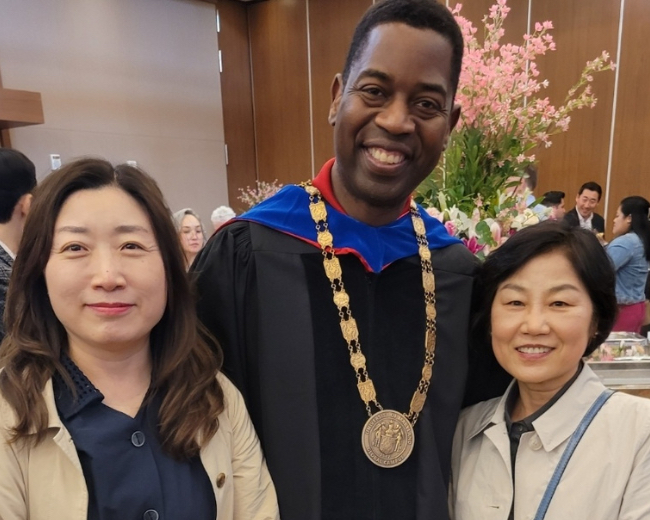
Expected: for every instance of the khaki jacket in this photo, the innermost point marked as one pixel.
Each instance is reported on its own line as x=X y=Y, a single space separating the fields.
x=608 y=477
x=46 y=482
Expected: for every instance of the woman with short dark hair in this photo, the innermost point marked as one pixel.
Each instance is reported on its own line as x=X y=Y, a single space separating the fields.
x=557 y=444
x=111 y=402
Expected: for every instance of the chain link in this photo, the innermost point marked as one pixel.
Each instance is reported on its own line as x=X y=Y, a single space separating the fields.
x=348 y=323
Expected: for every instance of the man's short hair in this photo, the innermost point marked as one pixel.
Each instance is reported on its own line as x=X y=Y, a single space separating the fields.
x=420 y=14
x=591 y=186
x=17 y=178
x=553 y=198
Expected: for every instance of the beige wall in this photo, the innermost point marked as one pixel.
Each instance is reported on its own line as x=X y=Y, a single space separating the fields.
x=125 y=80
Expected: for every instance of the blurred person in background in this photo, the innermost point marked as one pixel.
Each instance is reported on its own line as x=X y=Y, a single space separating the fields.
x=630 y=253
x=191 y=234
x=555 y=201
x=221 y=215
x=17 y=180
x=522 y=188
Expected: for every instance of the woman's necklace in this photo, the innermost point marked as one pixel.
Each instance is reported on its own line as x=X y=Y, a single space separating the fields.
x=387 y=437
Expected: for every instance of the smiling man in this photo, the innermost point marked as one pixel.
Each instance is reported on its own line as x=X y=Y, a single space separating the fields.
x=583 y=214
x=341 y=306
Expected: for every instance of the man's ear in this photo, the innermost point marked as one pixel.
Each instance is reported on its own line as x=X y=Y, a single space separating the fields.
x=454 y=117
x=453 y=120
x=337 y=94
x=25 y=203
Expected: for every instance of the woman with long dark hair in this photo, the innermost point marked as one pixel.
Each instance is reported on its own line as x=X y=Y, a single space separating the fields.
x=111 y=402
x=630 y=253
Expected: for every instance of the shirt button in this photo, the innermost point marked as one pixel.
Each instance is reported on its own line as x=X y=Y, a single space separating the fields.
x=137 y=439
x=535 y=443
x=150 y=514
x=221 y=480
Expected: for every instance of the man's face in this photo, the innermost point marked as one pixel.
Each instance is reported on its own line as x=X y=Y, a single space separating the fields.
x=586 y=202
x=392 y=119
x=558 y=211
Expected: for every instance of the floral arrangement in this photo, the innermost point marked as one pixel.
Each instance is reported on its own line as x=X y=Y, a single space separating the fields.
x=481 y=233
x=262 y=191
x=504 y=119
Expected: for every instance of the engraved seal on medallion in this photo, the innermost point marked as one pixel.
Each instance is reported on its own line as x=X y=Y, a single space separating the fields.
x=387 y=438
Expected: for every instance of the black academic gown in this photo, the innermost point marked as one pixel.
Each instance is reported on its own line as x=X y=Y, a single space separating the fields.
x=265 y=297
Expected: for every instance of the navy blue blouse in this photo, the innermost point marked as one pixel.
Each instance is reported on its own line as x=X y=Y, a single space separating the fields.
x=128 y=475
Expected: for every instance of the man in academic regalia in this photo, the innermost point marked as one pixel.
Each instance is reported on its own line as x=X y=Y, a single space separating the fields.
x=343 y=309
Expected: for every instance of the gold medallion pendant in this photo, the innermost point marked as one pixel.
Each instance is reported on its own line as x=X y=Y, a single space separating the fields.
x=387 y=438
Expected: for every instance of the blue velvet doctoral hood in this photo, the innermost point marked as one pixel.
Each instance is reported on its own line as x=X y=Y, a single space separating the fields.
x=376 y=246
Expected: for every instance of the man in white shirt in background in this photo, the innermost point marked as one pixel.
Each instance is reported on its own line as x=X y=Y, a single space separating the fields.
x=17 y=180
x=583 y=214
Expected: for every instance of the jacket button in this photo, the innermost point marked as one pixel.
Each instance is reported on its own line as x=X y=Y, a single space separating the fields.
x=137 y=439
x=535 y=443
x=150 y=514
x=221 y=480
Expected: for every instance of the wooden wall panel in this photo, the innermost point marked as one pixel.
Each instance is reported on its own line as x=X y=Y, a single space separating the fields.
x=237 y=95
x=331 y=25
x=631 y=158
x=582 y=30
x=278 y=34
x=20 y=108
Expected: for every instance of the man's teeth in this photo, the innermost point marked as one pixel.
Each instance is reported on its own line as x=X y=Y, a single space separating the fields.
x=386 y=157
x=533 y=350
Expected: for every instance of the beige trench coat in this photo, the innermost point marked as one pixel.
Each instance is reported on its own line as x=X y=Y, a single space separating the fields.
x=608 y=477
x=46 y=482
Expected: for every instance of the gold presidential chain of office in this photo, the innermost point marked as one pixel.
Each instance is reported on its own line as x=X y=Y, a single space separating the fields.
x=387 y=437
